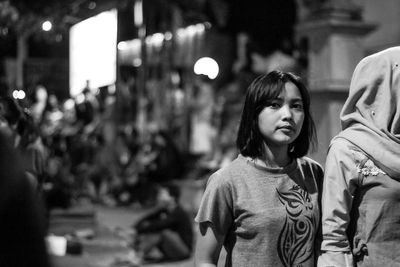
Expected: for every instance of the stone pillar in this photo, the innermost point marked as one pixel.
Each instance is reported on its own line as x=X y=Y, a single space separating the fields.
x=334 y=33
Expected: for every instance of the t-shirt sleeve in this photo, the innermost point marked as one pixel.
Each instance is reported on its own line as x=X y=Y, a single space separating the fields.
x=217 y=204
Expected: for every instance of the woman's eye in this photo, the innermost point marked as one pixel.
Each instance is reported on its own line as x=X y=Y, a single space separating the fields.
x=274 y=105
x=298 y=106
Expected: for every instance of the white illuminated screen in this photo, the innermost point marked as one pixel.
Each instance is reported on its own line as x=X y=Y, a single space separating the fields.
x=93 y=52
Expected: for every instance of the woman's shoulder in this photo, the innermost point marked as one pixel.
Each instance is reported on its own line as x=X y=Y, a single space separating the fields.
x=344 y=149
x=231 y=171
x=342 y=144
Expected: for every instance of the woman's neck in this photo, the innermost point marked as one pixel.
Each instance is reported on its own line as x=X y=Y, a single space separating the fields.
x=276 y=157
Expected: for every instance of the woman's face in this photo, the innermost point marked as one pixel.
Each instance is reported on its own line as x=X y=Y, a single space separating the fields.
x=281 y=120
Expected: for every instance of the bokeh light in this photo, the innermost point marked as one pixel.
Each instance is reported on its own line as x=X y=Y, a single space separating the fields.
x=207 y=66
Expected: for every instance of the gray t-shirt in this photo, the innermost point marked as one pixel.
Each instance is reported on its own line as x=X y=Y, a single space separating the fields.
x=269 y=217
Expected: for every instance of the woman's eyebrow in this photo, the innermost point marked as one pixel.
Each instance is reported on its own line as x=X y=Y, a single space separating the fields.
x=297 y=99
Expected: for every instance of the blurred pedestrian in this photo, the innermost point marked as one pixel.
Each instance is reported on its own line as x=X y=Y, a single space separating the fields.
x=87 y=106
x=39 y=103
x=202 y=132
x=263 y=206
x=167 y=163
x=10 y=114
x=22 y=223
x=25 y=136
x=52 y=116
x=34 y=151
x=360 y=200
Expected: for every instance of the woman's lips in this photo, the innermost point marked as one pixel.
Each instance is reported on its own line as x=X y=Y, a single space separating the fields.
x=288 y=128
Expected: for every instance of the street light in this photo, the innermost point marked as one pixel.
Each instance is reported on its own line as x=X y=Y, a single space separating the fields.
x=207 y=66
x=18 y=94
x=47 y=25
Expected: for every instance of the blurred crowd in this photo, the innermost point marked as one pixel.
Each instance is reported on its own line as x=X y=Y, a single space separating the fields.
x=76 y=150
x=96 y=146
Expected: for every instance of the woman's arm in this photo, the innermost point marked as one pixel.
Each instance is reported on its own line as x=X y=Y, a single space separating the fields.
x=208 y=246
x=337 y=199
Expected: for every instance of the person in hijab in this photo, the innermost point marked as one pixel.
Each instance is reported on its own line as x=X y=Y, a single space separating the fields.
x=361 y=190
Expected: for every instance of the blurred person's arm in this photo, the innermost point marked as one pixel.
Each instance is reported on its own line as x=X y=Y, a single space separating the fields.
x=151 y=215
x=36 y=165
x=208 y=247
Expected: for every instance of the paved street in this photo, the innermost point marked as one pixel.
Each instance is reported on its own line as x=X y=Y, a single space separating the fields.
x=105 y=245
x=99 y=251
x=112 y=218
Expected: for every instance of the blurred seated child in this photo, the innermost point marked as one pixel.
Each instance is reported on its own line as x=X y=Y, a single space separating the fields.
x=167 y=228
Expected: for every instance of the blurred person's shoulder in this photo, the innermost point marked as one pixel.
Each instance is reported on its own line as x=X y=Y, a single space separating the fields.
x=10 y=158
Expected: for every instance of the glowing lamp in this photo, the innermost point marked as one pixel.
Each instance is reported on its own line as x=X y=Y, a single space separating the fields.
x=207 y=66
x=47 y=25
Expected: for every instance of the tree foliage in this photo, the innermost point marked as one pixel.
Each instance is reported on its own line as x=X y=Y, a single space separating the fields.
x=24 y=17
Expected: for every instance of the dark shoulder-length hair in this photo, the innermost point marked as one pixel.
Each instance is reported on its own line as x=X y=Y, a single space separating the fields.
x=261 y=91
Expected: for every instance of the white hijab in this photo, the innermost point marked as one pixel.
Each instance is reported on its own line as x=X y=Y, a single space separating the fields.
x=370 y=117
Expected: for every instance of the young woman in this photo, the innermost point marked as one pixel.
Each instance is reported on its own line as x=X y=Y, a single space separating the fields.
x=263 y=206
x=361 y=199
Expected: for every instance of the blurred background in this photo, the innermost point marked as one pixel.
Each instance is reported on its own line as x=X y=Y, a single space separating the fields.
x=115 y=97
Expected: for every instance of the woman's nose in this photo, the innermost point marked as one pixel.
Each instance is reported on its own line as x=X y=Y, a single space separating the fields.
x=286 y=112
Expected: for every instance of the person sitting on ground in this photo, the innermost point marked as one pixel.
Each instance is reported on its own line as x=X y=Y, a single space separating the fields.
x=167 y=228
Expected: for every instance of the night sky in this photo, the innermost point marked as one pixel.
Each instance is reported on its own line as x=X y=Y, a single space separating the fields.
x=269 y=23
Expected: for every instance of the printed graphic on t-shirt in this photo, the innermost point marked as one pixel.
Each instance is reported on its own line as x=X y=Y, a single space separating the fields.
x=295 y=243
